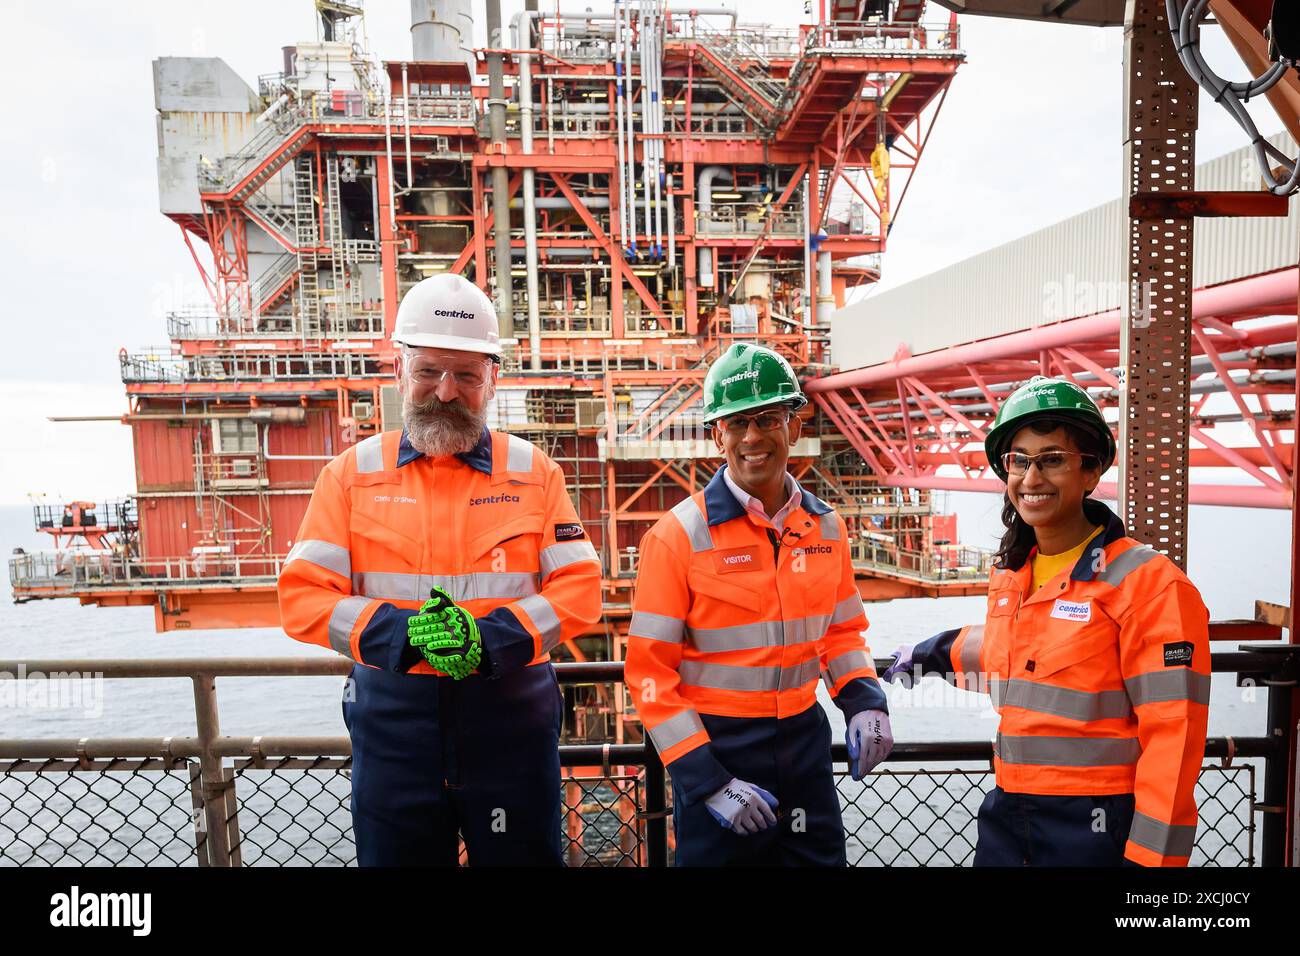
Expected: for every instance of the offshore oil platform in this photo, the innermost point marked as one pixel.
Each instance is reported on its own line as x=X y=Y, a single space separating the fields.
x=636 y=188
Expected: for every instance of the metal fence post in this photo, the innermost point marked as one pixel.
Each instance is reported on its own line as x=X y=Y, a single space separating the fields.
x=656 y=824
x=1281 y=684
x=214 y=780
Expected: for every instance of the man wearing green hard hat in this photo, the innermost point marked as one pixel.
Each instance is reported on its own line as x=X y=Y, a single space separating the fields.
x=745 y=599
x=1095 y=650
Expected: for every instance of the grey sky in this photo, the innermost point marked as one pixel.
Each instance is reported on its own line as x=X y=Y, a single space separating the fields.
x=1030 y=134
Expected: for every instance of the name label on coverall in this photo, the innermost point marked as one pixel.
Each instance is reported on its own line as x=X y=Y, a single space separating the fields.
x=736 y=559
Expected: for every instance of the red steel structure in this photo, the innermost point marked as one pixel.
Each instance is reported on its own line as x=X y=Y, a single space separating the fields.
x=951 y=396
x=673 y=181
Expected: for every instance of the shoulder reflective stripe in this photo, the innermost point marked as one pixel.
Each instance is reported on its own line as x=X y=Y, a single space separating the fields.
x=848 y=609
x=519 y=454
x=1069 y=751
x=342 y=619
x=970 y=649
x=1177 y=683
x=830 y=527
x=1063 y=701
x=675 y=729
x=331 y=557
x=544 y=619
x=370 y=455
x=1167 y=839
x=846 y=663
x=562 y=555
x=392 y=586
x=656 y=627
x=1126 y=563
x=692 y=519
x=743 y=637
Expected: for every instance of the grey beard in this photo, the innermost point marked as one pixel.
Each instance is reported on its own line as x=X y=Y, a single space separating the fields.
x=438 y=428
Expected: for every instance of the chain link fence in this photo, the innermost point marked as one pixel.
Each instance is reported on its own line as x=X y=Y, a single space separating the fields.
x=295 y=812
x=266 y=801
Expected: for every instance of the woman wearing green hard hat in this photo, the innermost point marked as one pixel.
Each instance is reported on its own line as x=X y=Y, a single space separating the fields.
x=1094 y=649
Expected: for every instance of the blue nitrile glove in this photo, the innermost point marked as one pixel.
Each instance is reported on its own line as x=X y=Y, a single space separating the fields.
x=870 y=740
x=901 y=667
x=742 y=807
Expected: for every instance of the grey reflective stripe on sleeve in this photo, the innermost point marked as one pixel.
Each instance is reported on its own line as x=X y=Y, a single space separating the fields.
x=543 y=616
x=1167 y=839
x=838 y=667
x=1063 y=701
x=1126 y=563
x=562 y=555
x=692 y=519
x=733 y=677
x=970 y=649
x=480 y=585
x=1180 y=683
x=370 y=455
x=676 y=729
x=331 y=557
x=1069 y=751
x=848 y=609
x=744 y=637
x=342 y=619
x=519 y=454
x=830 y=527
x=656 y=627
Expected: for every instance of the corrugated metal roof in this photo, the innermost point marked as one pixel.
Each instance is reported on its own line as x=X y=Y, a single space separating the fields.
x=1070 y=269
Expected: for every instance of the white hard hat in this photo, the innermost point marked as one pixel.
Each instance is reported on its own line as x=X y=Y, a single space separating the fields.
x=448 y=312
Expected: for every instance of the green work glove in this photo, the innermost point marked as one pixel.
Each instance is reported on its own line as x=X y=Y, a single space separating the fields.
x=446 y=635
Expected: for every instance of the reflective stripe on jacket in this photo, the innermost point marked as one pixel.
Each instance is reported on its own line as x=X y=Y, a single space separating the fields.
x=1102 y=681
x=494 y=527
x=731 y=620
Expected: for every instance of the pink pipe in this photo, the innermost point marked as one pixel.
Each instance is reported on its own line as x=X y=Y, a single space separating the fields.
x=1244 y=295
x=1232 y=496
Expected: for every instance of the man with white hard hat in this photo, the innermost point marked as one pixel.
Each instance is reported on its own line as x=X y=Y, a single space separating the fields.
x=447 y=561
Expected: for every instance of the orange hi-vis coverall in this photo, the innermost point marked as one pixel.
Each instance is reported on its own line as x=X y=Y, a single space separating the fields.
x=494 y=527
x=732 y=626
x=435 y=760
x=1102 y=681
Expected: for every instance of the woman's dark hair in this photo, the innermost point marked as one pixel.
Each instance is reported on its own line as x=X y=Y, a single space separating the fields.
x=1019 y=538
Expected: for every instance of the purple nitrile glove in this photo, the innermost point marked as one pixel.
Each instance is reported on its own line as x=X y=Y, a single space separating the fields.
x=742 y=807
x=870 y=740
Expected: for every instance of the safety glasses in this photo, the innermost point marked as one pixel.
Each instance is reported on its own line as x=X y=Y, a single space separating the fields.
x=768 y=421
x=1049 y=462
x=469 y=376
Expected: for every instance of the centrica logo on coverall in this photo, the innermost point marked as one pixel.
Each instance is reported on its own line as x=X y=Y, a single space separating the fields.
x=495 y=500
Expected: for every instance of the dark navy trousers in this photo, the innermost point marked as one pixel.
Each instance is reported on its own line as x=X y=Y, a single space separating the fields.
x=433 y=757
x=1022 y=829
x=790 y=757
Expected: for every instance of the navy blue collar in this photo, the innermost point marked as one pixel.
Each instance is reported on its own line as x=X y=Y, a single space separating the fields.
x=721 y=505
x=479 y=457
x=1092 y=560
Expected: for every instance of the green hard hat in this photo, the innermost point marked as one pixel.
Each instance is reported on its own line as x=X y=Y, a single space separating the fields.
x=749 y=376
x=1051 y=399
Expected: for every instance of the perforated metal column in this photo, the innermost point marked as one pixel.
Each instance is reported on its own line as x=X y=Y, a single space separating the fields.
x=1160 y=153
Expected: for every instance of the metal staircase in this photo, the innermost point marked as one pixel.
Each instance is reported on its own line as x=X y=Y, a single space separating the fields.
x=307 y=238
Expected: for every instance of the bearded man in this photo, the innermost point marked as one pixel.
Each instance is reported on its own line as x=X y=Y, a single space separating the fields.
x=446 y=561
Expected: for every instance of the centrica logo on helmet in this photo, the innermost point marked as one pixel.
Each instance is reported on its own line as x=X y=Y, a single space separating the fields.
x=731 y=379
x=454 y=313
